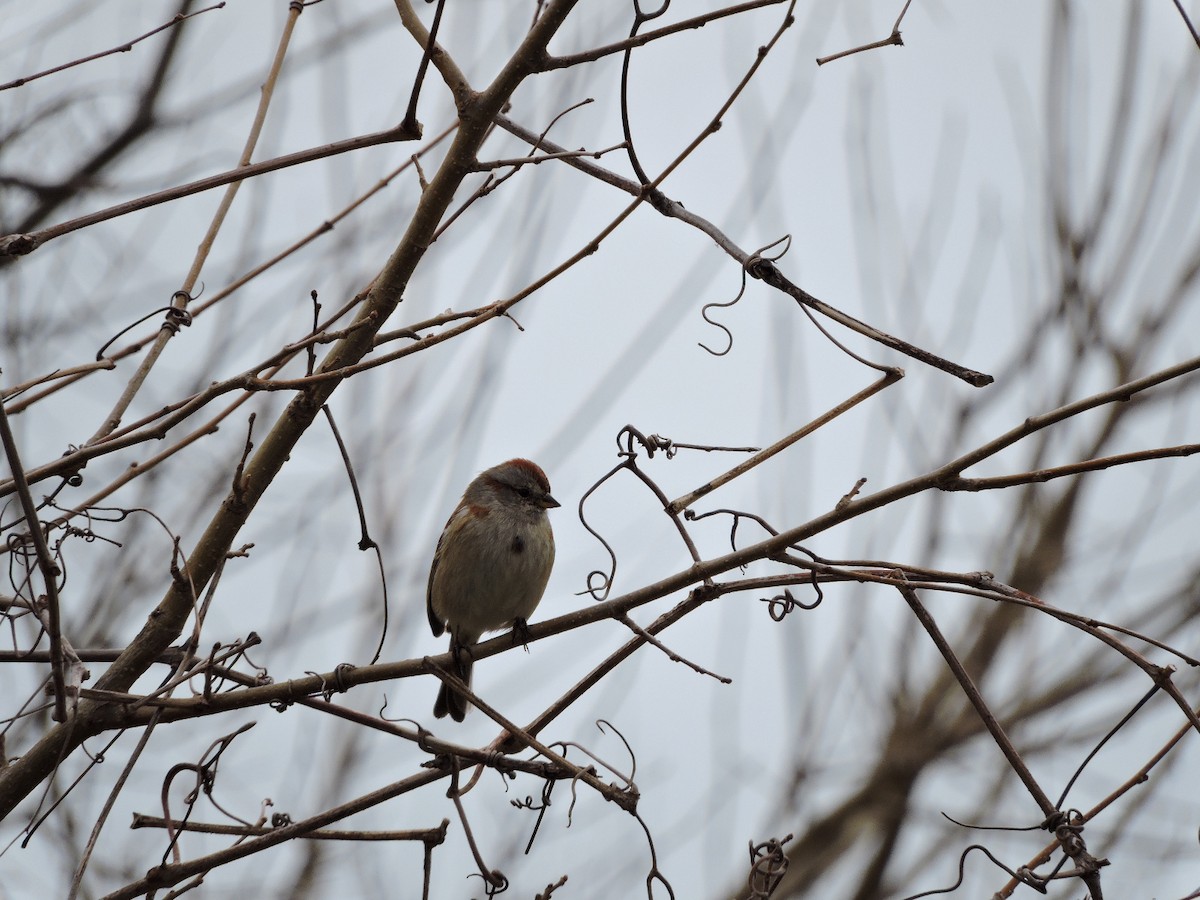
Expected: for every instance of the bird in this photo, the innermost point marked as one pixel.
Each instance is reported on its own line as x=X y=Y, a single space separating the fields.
x=491 y=565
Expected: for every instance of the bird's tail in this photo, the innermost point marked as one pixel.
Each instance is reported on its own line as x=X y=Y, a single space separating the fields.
x=451 y=701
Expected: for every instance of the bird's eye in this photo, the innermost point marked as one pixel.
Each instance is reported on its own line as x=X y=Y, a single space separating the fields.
x=524 y=492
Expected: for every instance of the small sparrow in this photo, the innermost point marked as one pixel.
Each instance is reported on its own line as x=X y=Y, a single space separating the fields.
x=491 y=564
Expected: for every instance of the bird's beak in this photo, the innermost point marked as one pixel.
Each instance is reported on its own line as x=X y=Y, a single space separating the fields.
x=549 y=502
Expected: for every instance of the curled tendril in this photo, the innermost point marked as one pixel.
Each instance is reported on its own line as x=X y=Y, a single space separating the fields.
x=692 y=516
x=629 y=439
x=640 y=17
x=627 y=779
x=530 y=804
x=494 y=882
x=662 y=443
x=779 y=606
x=630 y=435
x=762 y=254
x=977 y=827
x=74 y=479
x=261 y=673
x=758 y=256
x=647 y=16
x=599 y=592
x=599 y=583
x=1023 y=875
x=601 y=723
x=177 y=317
x=768 y=865
x=655 y=442
x=655 y=874
x=527 y=802
x=728 y=334
x=338 y=686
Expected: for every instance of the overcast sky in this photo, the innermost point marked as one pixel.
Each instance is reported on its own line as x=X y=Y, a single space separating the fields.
x=913 y=182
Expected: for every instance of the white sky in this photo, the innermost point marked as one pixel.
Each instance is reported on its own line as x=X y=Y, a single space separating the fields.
x=912 y=181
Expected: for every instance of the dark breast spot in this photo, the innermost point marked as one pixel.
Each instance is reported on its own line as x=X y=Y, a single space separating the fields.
x=518 y=544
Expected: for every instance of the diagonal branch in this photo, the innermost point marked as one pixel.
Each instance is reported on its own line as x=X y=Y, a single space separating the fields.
x=49 y=568
x=166 y=621
x=761 y=269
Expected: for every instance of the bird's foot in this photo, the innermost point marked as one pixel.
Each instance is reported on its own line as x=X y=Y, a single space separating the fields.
x=520 y=633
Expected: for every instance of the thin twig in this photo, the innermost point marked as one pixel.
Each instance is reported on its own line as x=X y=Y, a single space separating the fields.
x=892 y=40
x=620 y=796
x=123 y=48
x=49 y=568
x=365 y=541
x=1187 y=21
x=410 y=115
x=976 y=699
x=671 y=654
x=109 y=802
x=890 y=377
x=646 y=37
x=764 y=270
x=20 y=244
x=66 y=377
x=1038 y=476
x=182 y=296
x=413 y=834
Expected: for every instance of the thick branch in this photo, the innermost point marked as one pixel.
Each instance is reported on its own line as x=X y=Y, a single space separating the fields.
x=167 y=620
